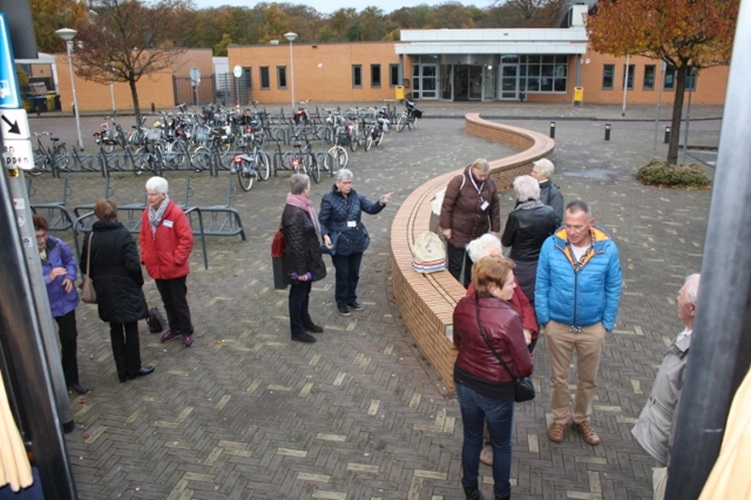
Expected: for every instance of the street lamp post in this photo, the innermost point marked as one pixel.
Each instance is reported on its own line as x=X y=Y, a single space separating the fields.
x=291 y=37
x=67 y=34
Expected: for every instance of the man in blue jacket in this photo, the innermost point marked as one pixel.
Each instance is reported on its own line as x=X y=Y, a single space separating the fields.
x=577 y=293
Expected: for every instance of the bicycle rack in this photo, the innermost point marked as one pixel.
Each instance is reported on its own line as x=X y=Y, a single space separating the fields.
x=56 y=214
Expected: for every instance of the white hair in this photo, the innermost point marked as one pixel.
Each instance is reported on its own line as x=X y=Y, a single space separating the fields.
x=691 y=292
x=483 y=246
x=545 y=167
x=526 y=188
x=157 y=184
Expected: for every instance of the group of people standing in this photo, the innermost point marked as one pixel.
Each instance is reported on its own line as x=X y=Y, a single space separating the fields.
x=337 y=230
x=111 y=259
x=568 y=272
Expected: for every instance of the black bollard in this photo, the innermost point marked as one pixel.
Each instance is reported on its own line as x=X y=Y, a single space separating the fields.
x=607 y=131
x=153 y=108
x=667 y=135
x=552 y=130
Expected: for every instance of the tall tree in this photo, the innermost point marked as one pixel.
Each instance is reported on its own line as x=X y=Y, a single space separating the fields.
x=127 y=40
x=685 y=34
x=49 y=16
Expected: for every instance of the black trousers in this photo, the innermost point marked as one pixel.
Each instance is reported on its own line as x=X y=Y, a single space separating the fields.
x=174 y=294
x=347 y=277
x=126 y=348
x=299 y=299
x=68 y=334
x=458 y=257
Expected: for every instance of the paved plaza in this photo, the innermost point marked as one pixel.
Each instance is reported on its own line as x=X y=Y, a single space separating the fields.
x=246 y=413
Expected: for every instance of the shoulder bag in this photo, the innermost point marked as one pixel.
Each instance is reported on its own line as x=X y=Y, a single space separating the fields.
x=88 y=292
x=524 y=390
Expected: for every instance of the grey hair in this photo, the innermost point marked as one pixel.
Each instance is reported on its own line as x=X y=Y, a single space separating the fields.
x=480 y=166
x=691 y=292
x=157 y=184
x=483 y=246
x=545 y=167
x=577 y=206
x=298 y=183
x=344 y=174
x=526 y=188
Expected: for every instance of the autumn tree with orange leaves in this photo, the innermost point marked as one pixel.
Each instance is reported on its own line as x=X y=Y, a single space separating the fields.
x=687 y=35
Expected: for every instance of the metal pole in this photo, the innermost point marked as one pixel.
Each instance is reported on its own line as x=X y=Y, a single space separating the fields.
x=720 y=355
x=69 y=45
x=112 y=96
x=658 y=82
x=292 y=74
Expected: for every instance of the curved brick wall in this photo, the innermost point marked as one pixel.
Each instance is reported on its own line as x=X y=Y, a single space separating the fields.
x=426 y=302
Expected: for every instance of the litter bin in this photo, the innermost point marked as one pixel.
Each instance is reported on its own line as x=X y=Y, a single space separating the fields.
x=399 y=92
x=50 y=102
x=578 y=95
x=39 y=104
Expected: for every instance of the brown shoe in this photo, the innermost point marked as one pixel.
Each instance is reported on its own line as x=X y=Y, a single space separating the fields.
x=588 y=433
x=556 y=432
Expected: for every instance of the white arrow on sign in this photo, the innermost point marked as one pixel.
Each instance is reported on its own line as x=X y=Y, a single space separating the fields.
x=17 y=154
x=15 y=124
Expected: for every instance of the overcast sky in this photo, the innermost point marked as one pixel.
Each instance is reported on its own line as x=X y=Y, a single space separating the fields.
x=329 y=6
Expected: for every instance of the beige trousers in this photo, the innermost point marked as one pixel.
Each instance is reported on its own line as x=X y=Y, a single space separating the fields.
x=561 y=343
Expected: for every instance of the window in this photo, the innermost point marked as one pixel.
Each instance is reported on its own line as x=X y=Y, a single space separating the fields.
x=393 y=75
x=538 y=73
x=281 y=77
x=691 y=79
x=630 y=70
x=357 y=76
x=669 y=78
x=265 y=78
x=608 y=72
x=649 y=77
x=375 y=76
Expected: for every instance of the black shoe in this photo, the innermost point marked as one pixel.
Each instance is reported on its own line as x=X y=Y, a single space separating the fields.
x=122 y=378
x=80 y=389
x=142 y=372
x=473 y=493
x=355 y=306
x=303 y=337
x=343 y=310
x=313 y=328
x=69 y=427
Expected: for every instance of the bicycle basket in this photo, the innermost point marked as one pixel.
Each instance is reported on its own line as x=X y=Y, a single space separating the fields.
x=343 y=138
x=417 y=113
x=154 y=134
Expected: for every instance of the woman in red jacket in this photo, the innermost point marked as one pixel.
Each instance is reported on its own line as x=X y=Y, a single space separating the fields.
x=166 y=242
x=483 y=323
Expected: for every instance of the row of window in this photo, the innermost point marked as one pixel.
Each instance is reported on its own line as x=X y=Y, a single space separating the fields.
x=649 y=76
x=357 y=76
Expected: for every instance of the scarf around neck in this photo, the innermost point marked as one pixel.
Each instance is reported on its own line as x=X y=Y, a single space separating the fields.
x=304 y=203
x=155 y=215
x=528 y=205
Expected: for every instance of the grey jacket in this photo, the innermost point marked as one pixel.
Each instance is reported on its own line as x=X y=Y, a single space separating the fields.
x=656 y=424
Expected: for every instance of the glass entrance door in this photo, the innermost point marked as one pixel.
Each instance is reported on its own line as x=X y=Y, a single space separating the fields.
x=429 y=87
x=467 y=82
x=488 y=82
x=509 y=78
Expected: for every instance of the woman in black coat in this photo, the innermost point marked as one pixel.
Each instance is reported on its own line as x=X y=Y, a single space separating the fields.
x=302 y=260
x=116 y=272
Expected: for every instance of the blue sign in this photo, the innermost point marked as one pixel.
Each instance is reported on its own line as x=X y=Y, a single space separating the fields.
x=9 y=94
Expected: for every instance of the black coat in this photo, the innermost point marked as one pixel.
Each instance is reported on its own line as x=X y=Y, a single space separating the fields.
x=550 y=195
x=302 y=248
x=116 y=271
x=526 y=230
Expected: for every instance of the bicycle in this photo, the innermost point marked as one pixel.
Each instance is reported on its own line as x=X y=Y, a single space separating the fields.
x=409 y=116
x=305 y=161
x=378 y=130
x=248 y=167
x=53 y=157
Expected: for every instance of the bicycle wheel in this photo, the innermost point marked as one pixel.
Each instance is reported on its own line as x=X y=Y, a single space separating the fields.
x=246 y=175
x=263 y=163
x=62 y=160
x=411 y=122
x=354 y=141
x=379 y=138
x=177 y=154
x=402 y=121
x=341 y=157
x=200 y=160
x=369 y=142
x=314 y=170
x=40 y=163
x=327 y=160
x=140 y=161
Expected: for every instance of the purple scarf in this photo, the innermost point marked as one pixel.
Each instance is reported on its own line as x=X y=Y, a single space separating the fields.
x=304 y=203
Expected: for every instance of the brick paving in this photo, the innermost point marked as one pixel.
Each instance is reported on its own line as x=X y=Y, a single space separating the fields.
x=246 y=413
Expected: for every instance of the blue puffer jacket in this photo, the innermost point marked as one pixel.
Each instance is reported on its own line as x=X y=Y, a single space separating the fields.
x=578 y=298
x=60 y=255
x=337 y=211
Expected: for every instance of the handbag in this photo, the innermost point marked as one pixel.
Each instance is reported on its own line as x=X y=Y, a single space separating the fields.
x=155 y=320
x=524 y=390
x=87 y=290
x=428 y=253
x=334 y=237
x=277 y=244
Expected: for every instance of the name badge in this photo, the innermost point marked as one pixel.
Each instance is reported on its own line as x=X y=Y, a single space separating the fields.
x=167 y=223
x=351 y=223
x=484 y=205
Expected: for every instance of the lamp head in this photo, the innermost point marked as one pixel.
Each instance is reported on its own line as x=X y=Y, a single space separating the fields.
x=291 y=37
x=66 y=34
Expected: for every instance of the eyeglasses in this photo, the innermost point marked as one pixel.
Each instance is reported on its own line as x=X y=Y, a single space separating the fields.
x=151 y=195
x=346 y=183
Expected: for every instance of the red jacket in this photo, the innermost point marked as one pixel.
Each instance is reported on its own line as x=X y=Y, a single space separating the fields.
x=166 y=253
x=504 y=331
x=521 y=305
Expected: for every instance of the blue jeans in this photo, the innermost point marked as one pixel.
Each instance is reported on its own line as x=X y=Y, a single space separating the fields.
x=499 y=415
x=347 y=277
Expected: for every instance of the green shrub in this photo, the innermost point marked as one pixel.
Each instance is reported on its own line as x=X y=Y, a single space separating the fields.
x=659 y=173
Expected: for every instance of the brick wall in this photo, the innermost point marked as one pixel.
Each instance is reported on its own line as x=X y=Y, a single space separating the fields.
x=426 y=302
